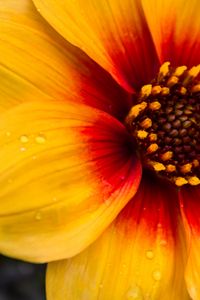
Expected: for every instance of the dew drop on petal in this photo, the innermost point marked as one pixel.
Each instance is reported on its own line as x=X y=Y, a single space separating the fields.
x=159 y=225
x=149 y=254
x=40 y=139
x=107 y=202
x=22 y=149
x=193 y=292
x=163 y=242
x=156 y=275
x=38 y=216
x=101 y=285
x=134 y=293
x=8 y=133
x=24 y=139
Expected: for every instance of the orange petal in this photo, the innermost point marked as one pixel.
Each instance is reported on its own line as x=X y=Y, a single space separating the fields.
x=175 y=27
x=138 y=257
x=66 y=172
x=112 y=32
x=190 y=205
x=37 y=64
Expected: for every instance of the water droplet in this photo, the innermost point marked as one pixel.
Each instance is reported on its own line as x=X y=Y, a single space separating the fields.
x=163 y=242
x=24 y=139
x=157 y=275
x=22 y=149
x=107 y=202
x=38 y=215
x=40 y=139
x=134 y=293
x=101 y=285
x=150 y=254
x=193 y=291
x=8 y=133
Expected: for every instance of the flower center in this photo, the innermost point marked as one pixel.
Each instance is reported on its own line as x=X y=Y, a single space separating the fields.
x=165 y=124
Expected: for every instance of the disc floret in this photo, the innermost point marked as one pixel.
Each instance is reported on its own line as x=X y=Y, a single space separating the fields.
x=165 y=124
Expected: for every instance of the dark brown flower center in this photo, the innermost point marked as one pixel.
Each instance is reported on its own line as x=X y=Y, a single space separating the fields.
x=165 y=124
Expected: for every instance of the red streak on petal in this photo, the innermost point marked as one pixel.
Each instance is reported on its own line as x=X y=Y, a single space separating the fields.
x=184 y=52
x=111 y=153
x=154 y=207
x=190 y=204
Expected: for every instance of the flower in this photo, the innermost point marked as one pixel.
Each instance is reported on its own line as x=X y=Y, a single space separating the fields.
x=74 y=183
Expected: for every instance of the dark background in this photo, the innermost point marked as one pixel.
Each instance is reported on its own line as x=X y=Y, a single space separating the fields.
x=21 y=281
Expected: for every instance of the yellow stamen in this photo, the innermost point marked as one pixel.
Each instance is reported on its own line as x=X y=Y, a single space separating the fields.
x=153 y=137
x=146 y=123
x=186 y=168
x=172 y=81
x=192 y=73
x=196 y=88
x=179 y=181
x=135 y=111
x=142 y=134
x=155 y=105
x=170 y=168
x=195 y=163
x=183 y=90
x=164 y=124
x=152 y=148
x=164 y=70
x=194 y=180
x=146 y=90
x=167 y=155
x=157 y=166
x=156 y=89
x=165 y=91
x=179 y=71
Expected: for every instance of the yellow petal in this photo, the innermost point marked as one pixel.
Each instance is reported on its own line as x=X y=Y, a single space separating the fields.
x=112 y=32
x=140 y=256
x=190 y=206
x=37 y=64
x=66 y=172
x=175 y=28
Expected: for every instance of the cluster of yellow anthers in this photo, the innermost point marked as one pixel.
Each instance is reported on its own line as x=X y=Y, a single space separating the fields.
x=165 y=123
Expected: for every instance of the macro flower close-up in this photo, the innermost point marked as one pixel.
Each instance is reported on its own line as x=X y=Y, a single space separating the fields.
x=100 y=145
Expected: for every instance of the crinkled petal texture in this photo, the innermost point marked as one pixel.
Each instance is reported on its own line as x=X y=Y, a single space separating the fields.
x=37 y=64
x=175 y=28
x=66 y=172
x=112 y=32
x=190 y=204
x=140 y=256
